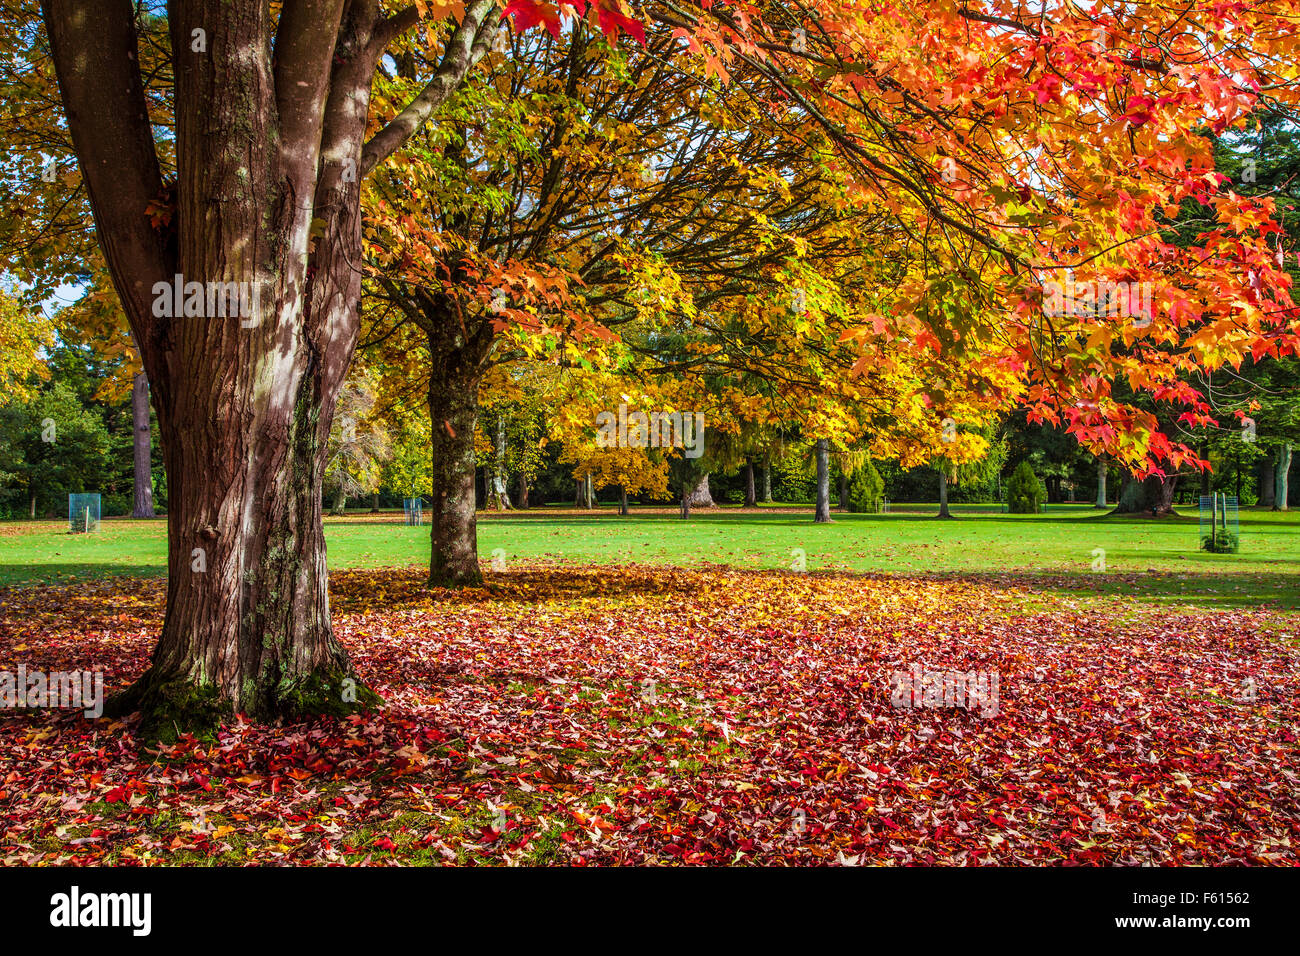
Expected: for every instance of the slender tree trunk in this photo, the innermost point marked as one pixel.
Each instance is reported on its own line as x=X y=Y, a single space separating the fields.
x=750 y=496
x=767 y=479
x=374 y=502
x=1282 y=487
x=523 y=491
x=823 y=512
x=143 y=447
x=622 y=500
x=340 y=499
x=844 y=491
x=499 y=493
x=31 y=501
x=1103 y=467
x=1267 y=482
x=458 y=358
x=580 y=490
x=943 y=495
x=686 y=502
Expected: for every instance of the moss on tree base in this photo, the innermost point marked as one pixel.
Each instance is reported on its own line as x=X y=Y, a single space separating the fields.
x=172 y=707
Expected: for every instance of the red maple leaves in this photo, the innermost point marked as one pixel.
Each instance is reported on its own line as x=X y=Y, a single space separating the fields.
x=632 y=715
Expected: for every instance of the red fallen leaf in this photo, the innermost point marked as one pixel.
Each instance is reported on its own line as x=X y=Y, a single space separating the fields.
x=1135 y=726
x=115 y=795
x=384 y=843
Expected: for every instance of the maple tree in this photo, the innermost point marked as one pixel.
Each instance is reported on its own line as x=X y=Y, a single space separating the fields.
x=23 y=333
x=265 y=114
x=994 y=149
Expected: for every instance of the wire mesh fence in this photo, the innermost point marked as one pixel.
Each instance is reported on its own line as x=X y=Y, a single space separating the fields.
x=1219 y=528
x=413 y=509
x=83 y=513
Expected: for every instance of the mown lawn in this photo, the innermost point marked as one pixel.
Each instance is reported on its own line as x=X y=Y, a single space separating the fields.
x=1150 y=559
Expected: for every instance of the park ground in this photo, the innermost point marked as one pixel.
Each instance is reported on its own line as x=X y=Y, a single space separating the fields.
x=652 y=690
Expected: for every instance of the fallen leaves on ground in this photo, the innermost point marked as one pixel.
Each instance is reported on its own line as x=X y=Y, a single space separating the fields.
x=651 y=715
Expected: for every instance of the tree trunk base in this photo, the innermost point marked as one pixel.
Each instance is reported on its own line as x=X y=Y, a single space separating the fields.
x=448 y=577
x=174 y=706
x=1144 y=513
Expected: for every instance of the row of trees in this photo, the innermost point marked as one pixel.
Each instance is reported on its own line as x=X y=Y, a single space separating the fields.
x=784 y=218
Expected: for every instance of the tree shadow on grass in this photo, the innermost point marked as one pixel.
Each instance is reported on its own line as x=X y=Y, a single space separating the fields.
x=1212 y=591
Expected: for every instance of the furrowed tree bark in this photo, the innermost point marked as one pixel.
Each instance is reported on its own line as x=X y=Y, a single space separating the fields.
x=823 y=512
x=142 y=440
x=270 y=123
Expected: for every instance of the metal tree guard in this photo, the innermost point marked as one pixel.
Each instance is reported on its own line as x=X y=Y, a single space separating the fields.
x=413 y=508
x=1220 y=532
x=83 y=513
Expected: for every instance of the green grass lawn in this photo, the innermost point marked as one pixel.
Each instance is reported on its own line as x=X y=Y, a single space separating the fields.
x=1154 y=560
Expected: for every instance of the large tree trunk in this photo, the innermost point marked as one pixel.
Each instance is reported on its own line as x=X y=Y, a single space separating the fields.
x=269 y=144
x=823 y=512
x=1103 y=467
x=844 y=491
x=750 y=497
x=767 y=479
x=622 y=500
x=340 y=507
x=523 y=491
x=1282 y=486
x=943 y=495
x=374 y=502
x=1153 y=495
x=701 y=497
x=143 y=447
